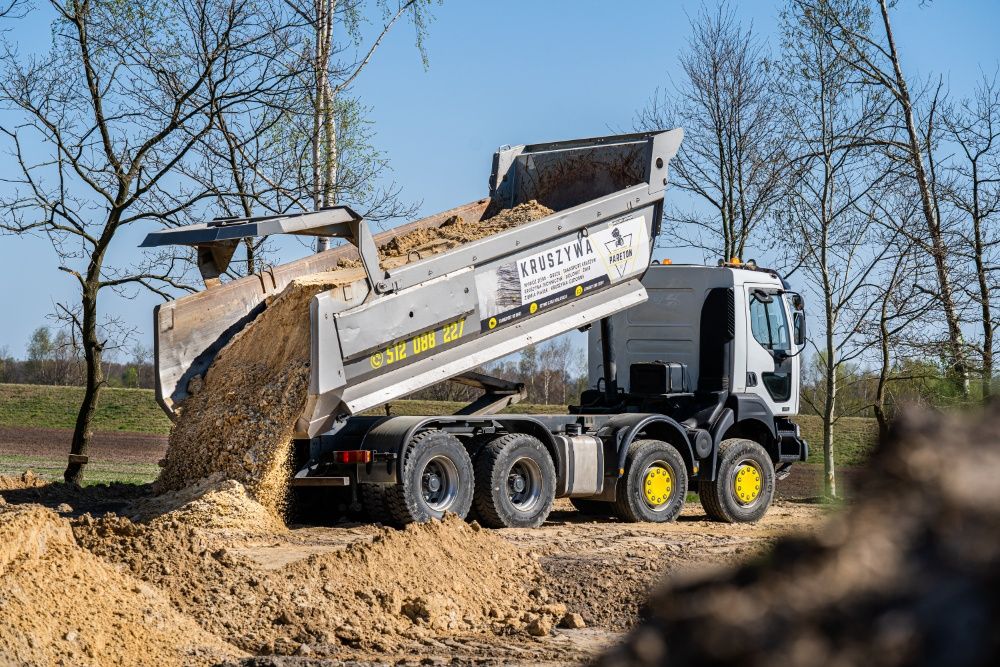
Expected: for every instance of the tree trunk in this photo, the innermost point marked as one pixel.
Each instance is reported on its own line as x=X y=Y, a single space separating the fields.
x=324 y=128
x=92 y=349
x=829 y=410
x=329 y=148
x=251 y=256
x=956 y=343
x=883 y=376
x=829 y=472
x=320 y=66
x=982 y=278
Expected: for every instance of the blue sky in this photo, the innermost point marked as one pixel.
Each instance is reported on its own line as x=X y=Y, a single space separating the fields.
x=520 y=71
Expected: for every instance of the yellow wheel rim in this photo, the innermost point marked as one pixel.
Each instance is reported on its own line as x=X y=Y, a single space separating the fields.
x=747 y=483
x=657 y=485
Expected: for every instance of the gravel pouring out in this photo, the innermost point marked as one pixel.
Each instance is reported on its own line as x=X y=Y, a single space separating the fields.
x=240 y=420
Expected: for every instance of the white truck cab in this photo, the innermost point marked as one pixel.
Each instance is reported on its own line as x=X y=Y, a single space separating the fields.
x=716 y=348
x=687 y=321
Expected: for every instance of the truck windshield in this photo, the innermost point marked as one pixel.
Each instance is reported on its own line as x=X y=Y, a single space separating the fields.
x=768 y=322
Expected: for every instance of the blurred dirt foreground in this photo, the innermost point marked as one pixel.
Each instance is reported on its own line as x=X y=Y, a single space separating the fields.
x=907 y=576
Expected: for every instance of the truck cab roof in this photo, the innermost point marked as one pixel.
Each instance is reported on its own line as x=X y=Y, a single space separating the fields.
x=741 y=273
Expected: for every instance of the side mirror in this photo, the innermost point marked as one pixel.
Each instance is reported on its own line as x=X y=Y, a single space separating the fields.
x=799 y=327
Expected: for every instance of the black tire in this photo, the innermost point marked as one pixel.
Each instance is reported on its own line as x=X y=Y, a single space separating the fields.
x=659 y=466
x=722 y=499
x=437 y=477
x=515 y=482
x=373 y=502
x=590 y=507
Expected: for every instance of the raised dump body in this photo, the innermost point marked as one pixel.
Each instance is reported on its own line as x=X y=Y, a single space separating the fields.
x=405 y=327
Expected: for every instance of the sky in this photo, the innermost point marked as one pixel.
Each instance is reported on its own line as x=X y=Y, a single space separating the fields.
x=521 y=71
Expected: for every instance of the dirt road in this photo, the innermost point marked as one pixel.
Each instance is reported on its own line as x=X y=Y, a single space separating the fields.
x=600 y=568
x=604 y=569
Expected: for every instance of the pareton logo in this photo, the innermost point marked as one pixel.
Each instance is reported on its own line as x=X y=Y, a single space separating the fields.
x=621 y=255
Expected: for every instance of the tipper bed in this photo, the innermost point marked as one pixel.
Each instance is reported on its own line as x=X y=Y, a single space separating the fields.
x=404 y=325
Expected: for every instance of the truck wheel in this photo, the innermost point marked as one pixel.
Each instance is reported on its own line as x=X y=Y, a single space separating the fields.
x=515 y=482
x=744 y=485
x=654 y=484
x=593 y=507
x=437 y=477
x=373 y=502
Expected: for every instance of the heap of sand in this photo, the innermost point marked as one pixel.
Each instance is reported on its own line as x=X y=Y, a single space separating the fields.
x=60 y=604
x=429 y=580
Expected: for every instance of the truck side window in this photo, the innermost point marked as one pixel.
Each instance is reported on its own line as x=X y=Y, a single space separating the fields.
x=770 y=328
x=768 y=323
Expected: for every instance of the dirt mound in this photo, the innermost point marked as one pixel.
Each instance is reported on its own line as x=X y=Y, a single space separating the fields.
x=69 y=498
x=214 y=502
x=905 y=577
x=429 y=580
x=240 y=420
x=26 y=480
x=60 y=604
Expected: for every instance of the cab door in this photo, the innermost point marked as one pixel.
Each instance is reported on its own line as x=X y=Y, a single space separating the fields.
x=771 y=364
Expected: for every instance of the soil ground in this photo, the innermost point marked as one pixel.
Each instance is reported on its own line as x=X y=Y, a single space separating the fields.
x=116 y=456
x=598 y=567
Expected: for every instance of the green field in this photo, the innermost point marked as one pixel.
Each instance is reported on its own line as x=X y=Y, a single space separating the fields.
x=97 y=472
x=853 y=438
x=135 y=410
x=37 y=406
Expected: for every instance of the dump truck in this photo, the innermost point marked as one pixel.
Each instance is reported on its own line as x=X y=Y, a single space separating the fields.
x=694 y=370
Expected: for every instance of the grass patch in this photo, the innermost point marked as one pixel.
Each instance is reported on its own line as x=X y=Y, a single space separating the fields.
x=97 y=472
x=854 y=438
x=36 y=406
x=136 y=410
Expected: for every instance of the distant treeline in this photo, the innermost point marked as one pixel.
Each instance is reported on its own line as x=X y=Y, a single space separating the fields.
x=554 y=373
x=54 y=359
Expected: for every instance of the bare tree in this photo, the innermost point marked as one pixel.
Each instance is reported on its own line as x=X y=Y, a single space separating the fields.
x=828 y=204
x=106 y=117
x=334 y=65
x=12 y=9
x=733 y=157
x=247 y=160
x=556 y=360
x=873 y=56
x=310 y=144
x=974 y=190
x=900 y=306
